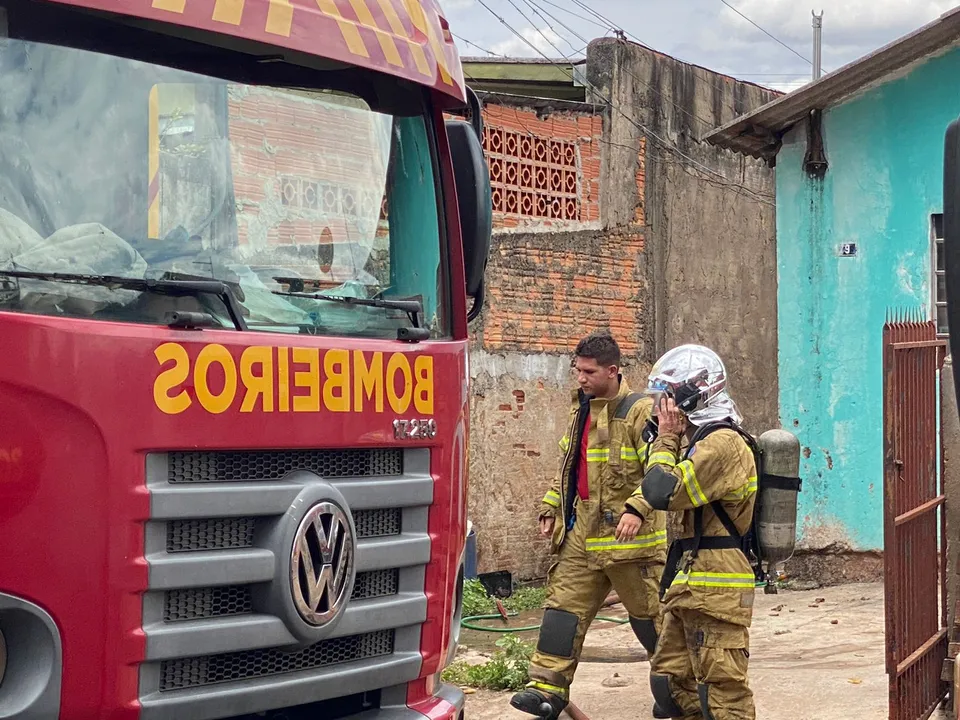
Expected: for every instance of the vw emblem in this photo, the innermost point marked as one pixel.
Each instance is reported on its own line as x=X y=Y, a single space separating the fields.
x=321 y=563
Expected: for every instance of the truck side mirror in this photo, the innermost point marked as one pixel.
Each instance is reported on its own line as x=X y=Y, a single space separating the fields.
x=951 y=241
x=472 y=178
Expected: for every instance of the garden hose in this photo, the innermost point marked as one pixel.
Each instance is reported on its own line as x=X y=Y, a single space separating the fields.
x=468 y=622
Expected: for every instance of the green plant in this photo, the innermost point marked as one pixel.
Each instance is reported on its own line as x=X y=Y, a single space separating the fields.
x=526 y=598
x=505 y=670
x=475 y=599
x=477 y=602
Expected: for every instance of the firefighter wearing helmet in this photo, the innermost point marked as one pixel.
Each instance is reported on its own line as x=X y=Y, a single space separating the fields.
x=700 y=465
x=600 y=540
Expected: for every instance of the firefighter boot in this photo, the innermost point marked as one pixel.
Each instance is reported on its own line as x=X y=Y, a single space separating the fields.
x=542 y=704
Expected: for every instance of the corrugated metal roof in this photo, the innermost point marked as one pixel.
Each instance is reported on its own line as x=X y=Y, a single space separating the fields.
x=758 y=133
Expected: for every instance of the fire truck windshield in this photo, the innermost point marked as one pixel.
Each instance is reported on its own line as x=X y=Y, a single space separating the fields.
x=112 y=167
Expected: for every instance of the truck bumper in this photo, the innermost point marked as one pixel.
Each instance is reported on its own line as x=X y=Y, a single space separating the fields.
x=447 y=704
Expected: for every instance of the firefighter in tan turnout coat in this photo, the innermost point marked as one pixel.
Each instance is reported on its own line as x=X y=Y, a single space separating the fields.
x=708 y=474
x=600 y=541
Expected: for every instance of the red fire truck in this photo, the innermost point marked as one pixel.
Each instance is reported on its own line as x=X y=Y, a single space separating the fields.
x=240 y=244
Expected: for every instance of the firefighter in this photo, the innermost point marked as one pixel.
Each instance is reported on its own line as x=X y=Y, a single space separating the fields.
x=599 y=540
x=700 y=667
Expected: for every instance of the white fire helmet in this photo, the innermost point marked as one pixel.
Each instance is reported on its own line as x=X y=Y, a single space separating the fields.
x=695 y=377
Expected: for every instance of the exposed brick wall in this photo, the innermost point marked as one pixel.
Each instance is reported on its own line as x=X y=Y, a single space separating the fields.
x=545 y=291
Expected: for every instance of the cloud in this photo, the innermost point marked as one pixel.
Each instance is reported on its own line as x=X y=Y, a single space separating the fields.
x=545 y=42
x=706 y=33
x=454 y=5
x=856 y=23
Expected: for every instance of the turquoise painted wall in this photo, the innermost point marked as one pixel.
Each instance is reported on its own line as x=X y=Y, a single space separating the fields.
x=885 y=154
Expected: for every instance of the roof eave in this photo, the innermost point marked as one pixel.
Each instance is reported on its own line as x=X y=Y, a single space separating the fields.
x=758 y=133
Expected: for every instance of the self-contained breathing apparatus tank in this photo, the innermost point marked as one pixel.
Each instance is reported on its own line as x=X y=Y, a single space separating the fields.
x=775 y=512
x=773 y=530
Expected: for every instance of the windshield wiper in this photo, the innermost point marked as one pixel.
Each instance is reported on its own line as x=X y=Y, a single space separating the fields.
x=185 y=288
x=412 y=308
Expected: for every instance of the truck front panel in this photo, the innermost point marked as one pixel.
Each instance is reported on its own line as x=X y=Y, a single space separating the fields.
x=234 y=385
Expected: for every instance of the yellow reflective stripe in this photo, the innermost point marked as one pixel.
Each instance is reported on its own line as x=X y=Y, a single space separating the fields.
x=715 y=579
x=744 y=491
x=552 y=498
x=632 y=455
x=689 y=475
x=598 y=455
x=559 y=691
x=641 y=541
x=662 y=457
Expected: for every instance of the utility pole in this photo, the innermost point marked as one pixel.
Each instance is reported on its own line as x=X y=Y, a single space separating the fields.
x=817 y=34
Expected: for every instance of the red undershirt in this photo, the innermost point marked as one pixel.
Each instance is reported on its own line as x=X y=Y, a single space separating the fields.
x=583 y=487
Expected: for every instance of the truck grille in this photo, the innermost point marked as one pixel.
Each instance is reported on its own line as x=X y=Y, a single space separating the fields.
x=201 y=603
x=228 y=667
x=217 y=467
x=210 y=534
x=198 y=603
x=238 y=532
x=212 y=615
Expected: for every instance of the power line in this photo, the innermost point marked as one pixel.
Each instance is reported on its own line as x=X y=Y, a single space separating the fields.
x=755 y=194
x=664 y=143
x=595 y=14
x=710 y=124
x=770 y=35
x=522 y=124
x=621 y=31
x=541 y=33
x=473 y=44
x=536 y=12
x=576 y=15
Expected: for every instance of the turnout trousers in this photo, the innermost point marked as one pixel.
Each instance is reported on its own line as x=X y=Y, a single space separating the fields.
x=577 y=585
x=699 y=671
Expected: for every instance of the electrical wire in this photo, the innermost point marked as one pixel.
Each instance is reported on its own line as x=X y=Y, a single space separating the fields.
x=663 y=143
x=576 y=15
x=709 y=123
x=517 y=117
x=610 y=25
x=478 y=47
x=536 y=12
x=538 y=9
x=769 y=35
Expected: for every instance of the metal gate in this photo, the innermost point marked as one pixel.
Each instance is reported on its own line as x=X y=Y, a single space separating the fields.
x=914 y=561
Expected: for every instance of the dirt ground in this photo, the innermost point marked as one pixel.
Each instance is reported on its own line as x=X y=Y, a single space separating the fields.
x=815 y=655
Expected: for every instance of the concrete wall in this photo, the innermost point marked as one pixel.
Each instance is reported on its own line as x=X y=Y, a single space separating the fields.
x=885 y=154
x=552 y=279
x=709 y=214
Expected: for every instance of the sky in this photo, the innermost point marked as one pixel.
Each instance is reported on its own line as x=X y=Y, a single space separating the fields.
x=728 y=36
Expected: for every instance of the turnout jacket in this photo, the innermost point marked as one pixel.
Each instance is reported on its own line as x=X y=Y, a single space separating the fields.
x=720 y=467
x=616 y=460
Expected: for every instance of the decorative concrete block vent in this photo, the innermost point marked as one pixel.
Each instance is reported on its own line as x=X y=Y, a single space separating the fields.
x=532 y=176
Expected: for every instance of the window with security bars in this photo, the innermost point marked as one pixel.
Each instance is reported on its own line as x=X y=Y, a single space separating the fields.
x=939 y=276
